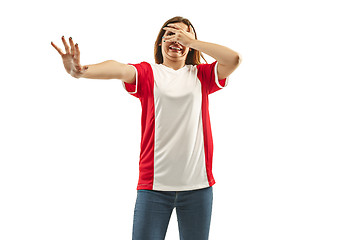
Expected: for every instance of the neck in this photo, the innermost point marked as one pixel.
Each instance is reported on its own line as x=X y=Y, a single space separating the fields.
x=176 y=65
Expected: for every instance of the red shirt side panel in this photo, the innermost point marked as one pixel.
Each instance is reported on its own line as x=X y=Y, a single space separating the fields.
x=206 y=75
x=145 y=92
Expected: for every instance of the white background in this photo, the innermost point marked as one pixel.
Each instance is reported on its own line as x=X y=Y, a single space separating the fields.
x=286 y=129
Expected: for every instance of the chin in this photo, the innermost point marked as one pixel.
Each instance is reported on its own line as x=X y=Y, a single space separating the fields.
x=179 y=56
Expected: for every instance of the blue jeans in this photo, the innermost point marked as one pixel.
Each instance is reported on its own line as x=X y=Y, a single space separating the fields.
x=153 y=210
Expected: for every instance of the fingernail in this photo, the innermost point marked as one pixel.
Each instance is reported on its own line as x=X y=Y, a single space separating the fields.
x=71 y=38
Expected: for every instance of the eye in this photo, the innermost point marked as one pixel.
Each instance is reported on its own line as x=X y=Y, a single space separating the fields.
x=170 y=33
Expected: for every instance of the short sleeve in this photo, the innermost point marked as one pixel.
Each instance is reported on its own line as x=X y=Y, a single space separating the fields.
x=207 y=74
x=143 y=80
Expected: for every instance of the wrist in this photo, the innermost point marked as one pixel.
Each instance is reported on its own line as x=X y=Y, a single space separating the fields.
x=192 y=43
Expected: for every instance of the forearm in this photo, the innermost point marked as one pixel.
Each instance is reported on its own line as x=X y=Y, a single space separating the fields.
x=109 y=69
x=222 y=54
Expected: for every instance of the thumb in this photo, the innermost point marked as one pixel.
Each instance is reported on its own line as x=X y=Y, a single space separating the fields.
x=81 y=68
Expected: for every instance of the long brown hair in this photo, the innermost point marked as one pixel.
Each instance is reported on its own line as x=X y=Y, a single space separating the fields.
x=193 y=57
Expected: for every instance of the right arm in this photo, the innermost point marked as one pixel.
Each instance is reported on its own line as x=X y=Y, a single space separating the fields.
x=110 y=69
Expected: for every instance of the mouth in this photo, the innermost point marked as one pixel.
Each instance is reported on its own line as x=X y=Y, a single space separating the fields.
x=175 y=48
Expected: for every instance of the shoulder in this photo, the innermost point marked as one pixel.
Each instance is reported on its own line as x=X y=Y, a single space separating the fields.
x=206 y=66
x=142 y=67
x=143 y=64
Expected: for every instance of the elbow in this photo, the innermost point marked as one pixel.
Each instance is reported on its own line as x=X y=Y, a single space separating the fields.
x=237 y=60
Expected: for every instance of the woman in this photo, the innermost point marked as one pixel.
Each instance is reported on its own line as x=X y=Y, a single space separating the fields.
x=176 y=140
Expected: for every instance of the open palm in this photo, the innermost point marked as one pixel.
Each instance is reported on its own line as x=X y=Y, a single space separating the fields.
x=71 y=58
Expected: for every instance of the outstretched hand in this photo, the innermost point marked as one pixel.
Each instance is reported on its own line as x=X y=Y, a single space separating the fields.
x=71 y=58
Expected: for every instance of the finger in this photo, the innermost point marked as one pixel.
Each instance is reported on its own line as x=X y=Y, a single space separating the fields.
x=192 y=30
x=72 y=46
x=170 y=29
x=66 y=45
x=174 y=25
x=77 y=56
x=82 y=69
x=165 y=37
x=171 y=38
x=58 y=49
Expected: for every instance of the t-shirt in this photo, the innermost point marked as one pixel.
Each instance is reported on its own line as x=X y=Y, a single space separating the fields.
x=176 y=149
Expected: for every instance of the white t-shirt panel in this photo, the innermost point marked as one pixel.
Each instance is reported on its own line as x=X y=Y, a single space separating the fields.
x=179 y=160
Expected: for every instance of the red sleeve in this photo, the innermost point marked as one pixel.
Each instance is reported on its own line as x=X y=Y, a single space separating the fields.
x=143 y=83
x=207 y=73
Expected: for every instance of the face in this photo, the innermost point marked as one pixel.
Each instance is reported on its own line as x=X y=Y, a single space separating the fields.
x=175 y=51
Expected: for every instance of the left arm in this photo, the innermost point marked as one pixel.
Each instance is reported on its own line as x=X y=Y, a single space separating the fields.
x=228 y=60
